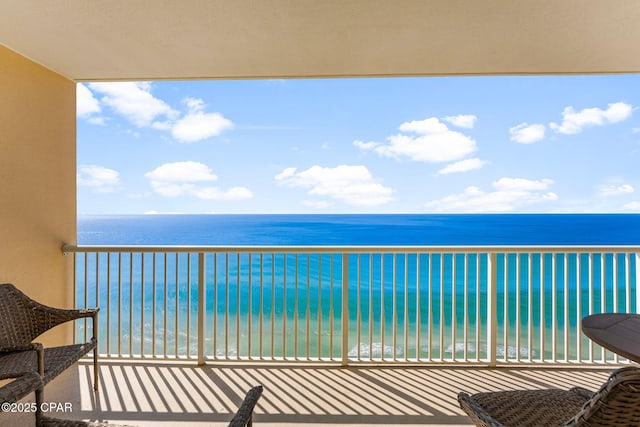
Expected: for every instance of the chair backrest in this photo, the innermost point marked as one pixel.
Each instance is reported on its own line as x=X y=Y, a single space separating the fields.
x=21 y=318
x=617 y=403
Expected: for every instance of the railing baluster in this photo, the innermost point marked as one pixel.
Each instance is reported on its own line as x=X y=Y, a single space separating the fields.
x=226 y=305
x=578 y=308
x=119 y=352
x=418 y=308
x=308 y=311
x=565 y=265
x=543 y=316
x=430 y=307
x=465 y=314
x=273 y=304
x=176 y=319
x=295 y=309
x=319 y=309
x=492 y=306
x=530 y=306
x=518 y=288
x=478 y=293
x=505 y=298
x=591 y=300
x=250 y=303
x=261 y=315
x=394 y=305
x=345 y=309
x=201 y=306
x=331 y=310
x=406 y=306
x=382 y=310
x=371 y=317
x=188 y=323
x=142 y=305
x=603 y=297
x=554 y=309
x=215 y=306
x=166 y=297
x=441 y=326
x=238 y=311
x=627 y=277
x=358 y=306
x=130 y=329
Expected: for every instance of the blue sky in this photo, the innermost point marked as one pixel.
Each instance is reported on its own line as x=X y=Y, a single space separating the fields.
x=367 y=145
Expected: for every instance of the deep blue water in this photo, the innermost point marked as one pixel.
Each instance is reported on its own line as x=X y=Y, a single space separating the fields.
x=388 y=229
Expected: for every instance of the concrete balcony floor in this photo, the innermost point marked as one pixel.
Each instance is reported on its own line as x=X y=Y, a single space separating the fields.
x=182 y=394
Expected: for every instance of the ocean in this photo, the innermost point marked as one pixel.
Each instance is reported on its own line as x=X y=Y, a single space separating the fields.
x=404 y=304
x=366 y=230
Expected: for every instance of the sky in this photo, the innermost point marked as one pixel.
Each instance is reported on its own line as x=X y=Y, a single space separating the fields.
x=511 y=144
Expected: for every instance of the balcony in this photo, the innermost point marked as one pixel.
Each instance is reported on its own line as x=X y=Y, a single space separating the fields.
x=185 y=331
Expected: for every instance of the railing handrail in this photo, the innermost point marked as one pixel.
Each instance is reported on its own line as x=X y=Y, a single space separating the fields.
x=342 y=249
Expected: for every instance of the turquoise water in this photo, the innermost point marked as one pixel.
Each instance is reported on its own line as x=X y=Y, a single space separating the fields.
x=267 y=308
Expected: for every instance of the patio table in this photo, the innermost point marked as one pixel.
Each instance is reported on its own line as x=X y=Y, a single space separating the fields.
x=618 y=332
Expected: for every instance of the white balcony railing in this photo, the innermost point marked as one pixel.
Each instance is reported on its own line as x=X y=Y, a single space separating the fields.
x=485 y=305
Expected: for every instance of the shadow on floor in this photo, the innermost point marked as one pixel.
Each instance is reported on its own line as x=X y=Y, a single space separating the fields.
x=153 y=393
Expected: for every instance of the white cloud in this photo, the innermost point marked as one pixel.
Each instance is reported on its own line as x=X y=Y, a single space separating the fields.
x=509 y=194
x=427 y=126
x=575 y=121
x=185 y=178
x=194 y=104
x=134 y=101
x=464 y=120
x=435 y=142
x=188 y=171
x=197 y=126
x=353 y=185
x=103 y=180
x=86 y=103
x=615 y=190
x=463 y=166
x=521 y=184
x=525 y=133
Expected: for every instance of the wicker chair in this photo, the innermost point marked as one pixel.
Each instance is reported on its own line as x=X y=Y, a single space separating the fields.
x=617 y=403
x=22 y=320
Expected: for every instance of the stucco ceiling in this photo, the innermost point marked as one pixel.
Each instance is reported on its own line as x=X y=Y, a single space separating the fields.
x=183 y=39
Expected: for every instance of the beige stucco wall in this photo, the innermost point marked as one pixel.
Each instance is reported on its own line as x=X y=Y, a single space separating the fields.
x=37 y=181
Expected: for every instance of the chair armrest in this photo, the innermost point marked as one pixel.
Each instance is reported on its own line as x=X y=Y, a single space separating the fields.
x=244 y=415
x=30 y=346
x=20 y=387
x=57 y=316
x=15 y=362
x=66 y=315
